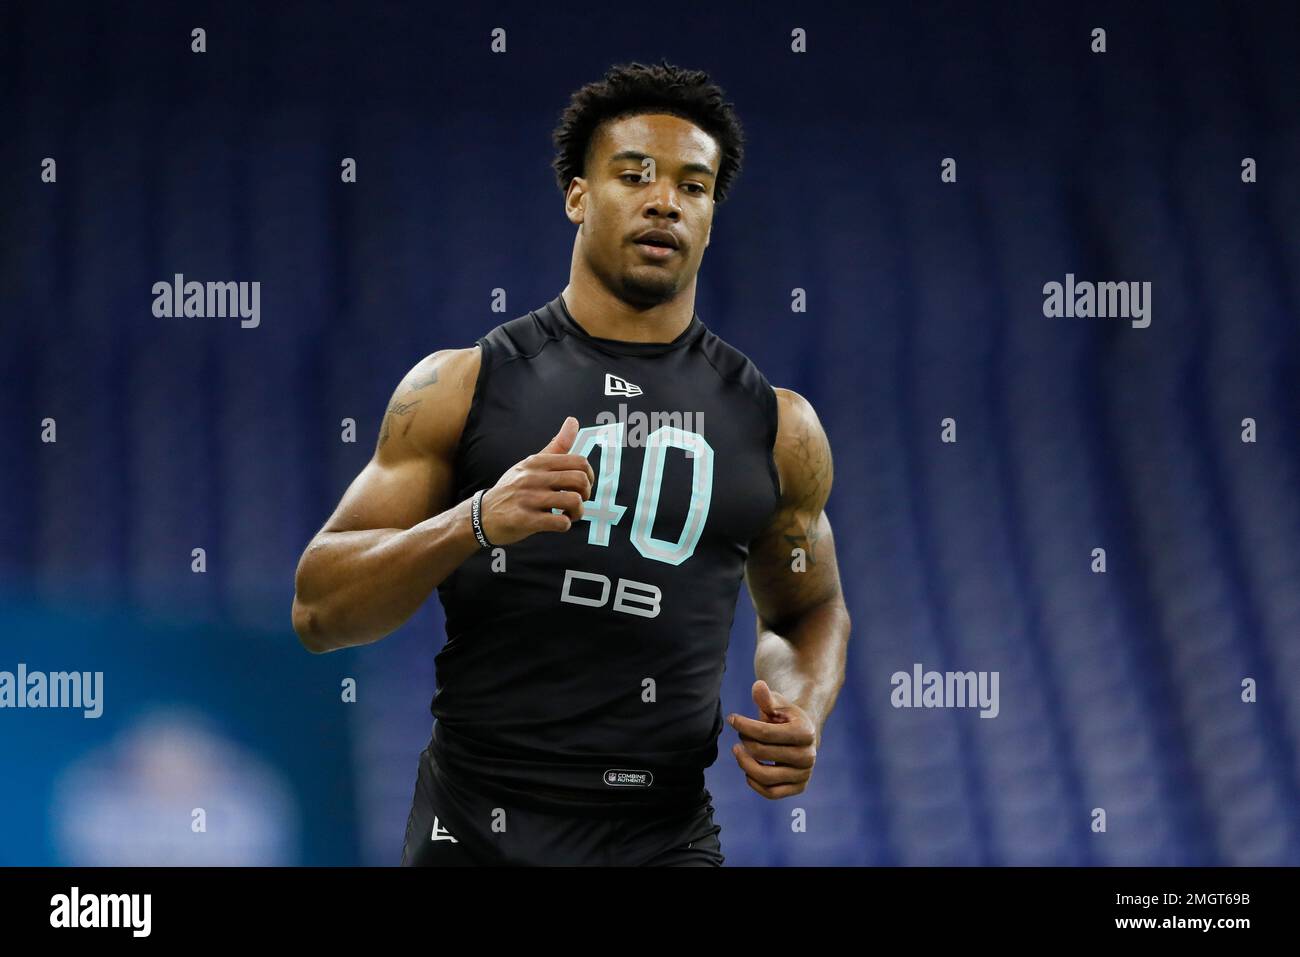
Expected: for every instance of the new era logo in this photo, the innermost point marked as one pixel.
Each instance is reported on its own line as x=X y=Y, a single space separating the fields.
x=440 y=833
x=616 y=385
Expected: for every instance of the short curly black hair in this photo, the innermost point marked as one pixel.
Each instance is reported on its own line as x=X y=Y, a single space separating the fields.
x=630 y=89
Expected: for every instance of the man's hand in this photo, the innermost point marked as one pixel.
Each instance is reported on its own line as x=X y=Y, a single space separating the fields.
x=785 y=735
x=520 y=504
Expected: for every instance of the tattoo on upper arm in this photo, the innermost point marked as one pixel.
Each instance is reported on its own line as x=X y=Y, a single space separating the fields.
x=414 y=383
x=797 y=523
x=805 y=538
x=424 y=379
x=397 y=408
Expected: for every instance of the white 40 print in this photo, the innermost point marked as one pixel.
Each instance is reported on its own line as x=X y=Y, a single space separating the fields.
x=604 y=513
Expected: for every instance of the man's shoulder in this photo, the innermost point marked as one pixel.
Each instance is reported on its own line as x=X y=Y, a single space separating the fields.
x=454 y=366
x=731 y=361
x=429 y=406
x=802 y=451
x=524 y=335
x=442 y=375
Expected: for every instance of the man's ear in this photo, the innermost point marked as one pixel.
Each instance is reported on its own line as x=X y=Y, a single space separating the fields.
x=575 y=201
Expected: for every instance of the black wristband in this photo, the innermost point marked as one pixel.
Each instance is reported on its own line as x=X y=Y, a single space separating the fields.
x=476 y=518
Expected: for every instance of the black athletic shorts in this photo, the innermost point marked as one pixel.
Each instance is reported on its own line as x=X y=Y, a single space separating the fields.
x=453 y=825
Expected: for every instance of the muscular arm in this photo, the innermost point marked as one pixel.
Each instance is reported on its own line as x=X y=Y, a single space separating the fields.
x=395 y=534
x=793 y=579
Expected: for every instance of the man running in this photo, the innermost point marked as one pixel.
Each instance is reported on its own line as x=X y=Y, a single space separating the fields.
x=586 y=486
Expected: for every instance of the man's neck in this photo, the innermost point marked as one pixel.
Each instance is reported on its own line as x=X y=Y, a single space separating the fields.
x=604 y=315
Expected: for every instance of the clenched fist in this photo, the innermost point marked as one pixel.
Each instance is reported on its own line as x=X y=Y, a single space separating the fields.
x=785 y=735
x=520 y=503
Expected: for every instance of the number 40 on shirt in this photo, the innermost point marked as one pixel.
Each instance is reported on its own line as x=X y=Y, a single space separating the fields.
x=604 y=513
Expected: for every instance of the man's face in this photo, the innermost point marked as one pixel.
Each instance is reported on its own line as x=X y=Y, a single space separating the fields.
x=617 y=201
